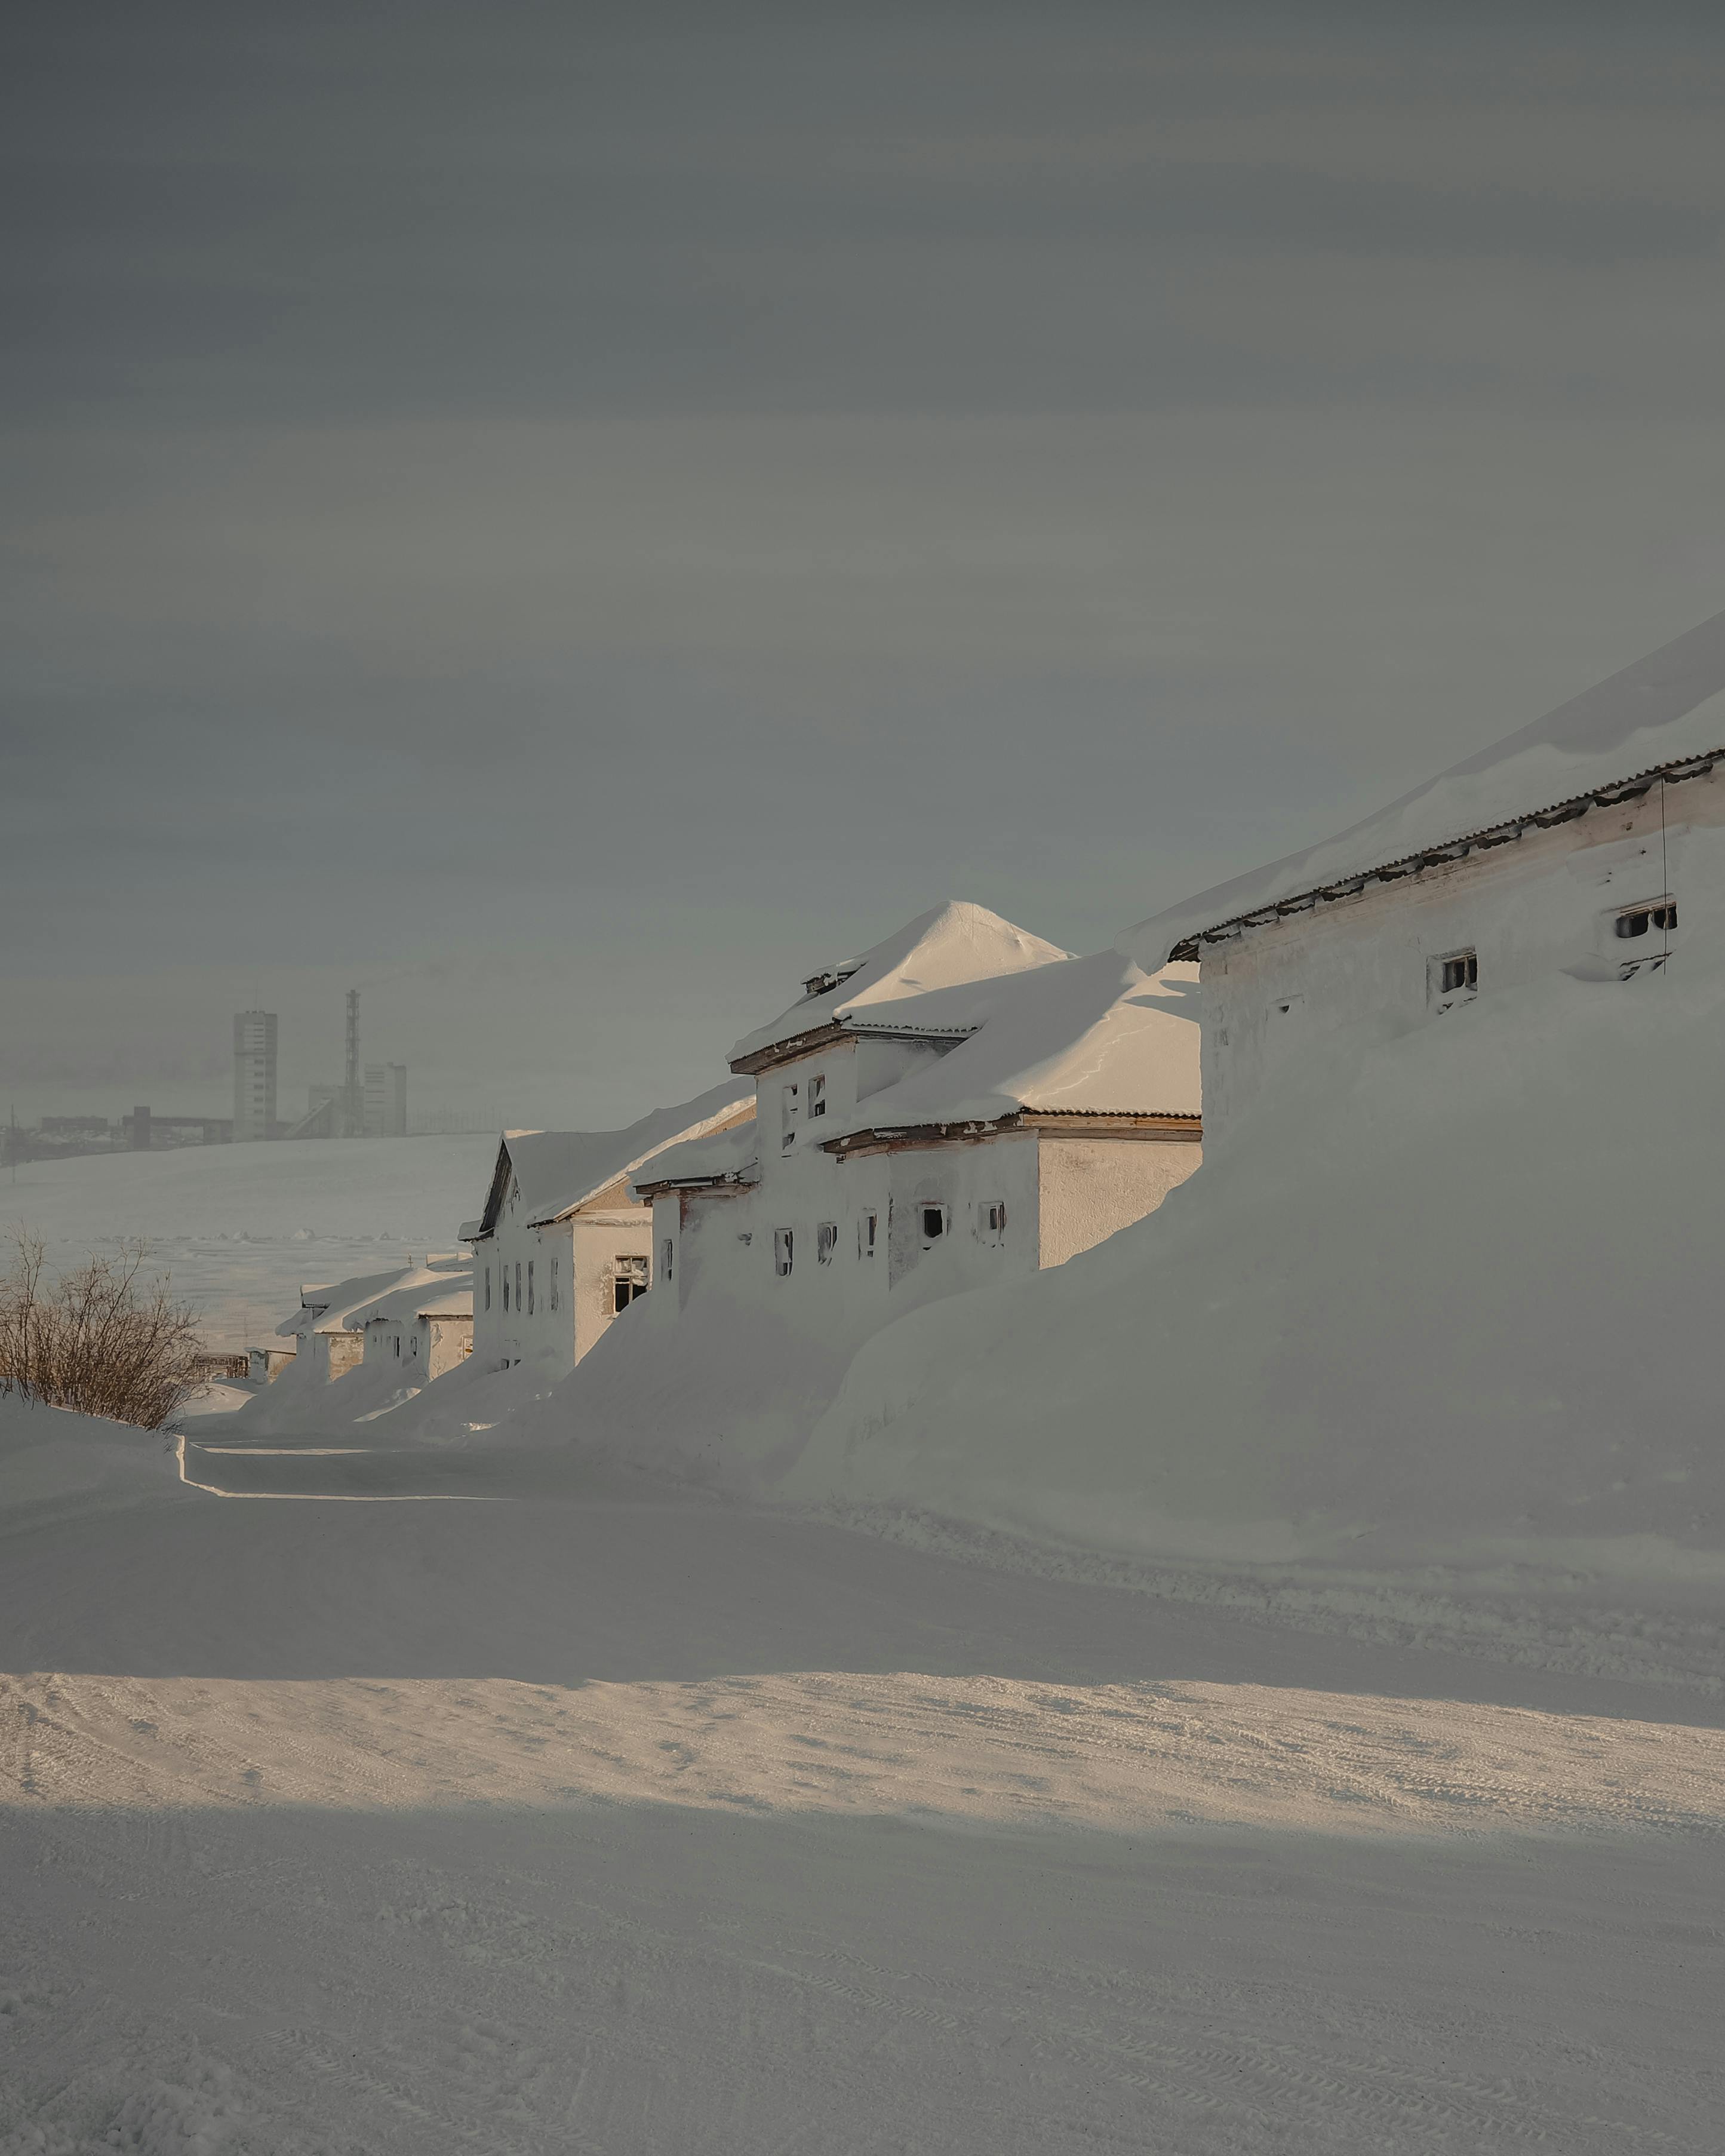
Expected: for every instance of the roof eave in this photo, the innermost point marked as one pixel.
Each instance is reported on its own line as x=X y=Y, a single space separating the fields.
x=1610 y=796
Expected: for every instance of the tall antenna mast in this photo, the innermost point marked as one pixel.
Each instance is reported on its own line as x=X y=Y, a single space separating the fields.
x=353 y=1105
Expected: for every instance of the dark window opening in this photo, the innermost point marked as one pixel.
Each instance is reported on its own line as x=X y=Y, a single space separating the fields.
x=826 y=1240
x=488 y=1287
x=628 y=1282
x=505 y=1288
x=934 y=1222
x=782 y=1251
x=865 y=1235
x=818 y=1096
x=991 y=1217
x=667 y=1251
x=1641 y=919
x=1460 y=972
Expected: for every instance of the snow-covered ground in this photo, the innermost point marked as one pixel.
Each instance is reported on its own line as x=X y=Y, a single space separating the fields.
x=238 y=1228
x=418 y=1800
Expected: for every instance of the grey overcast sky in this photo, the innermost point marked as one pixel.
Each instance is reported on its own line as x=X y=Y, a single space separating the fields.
x=570 y=516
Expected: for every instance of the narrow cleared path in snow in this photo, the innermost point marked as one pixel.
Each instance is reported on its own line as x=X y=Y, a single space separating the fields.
x=587 y=1818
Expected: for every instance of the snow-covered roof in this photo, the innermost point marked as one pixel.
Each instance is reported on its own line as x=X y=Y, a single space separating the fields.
x=1667 y=709
x=330 y=1309
x=1090 y=1036
x=559 y=1170
x=432 y=1290
x=730 y=1156
x=951 y=944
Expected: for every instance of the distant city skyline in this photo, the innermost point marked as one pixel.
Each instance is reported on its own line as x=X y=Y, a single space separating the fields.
x=574 y=522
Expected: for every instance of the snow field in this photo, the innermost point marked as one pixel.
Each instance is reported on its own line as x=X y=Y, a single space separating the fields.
x=558 y=1813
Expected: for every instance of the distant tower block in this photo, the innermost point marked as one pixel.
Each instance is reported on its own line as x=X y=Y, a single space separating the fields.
x=253 y=1074
x=385 y=1100
x=353 y=1101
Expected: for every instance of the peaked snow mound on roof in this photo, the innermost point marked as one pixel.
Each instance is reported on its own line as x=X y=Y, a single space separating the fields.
x=558 y=1170
x=437 y=1289
x=327 y=1309
x=1668 y=706
x=1088 y=1036
x=951 y=943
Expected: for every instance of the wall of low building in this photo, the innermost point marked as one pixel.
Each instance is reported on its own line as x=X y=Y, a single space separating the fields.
x=602 y=1241
x=441 y=1343
x=1273 y=999
x=962 y=1179
x=1091 y=1187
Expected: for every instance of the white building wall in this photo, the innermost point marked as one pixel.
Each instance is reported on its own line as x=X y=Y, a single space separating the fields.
x=1272 y=998
x=1088 y=1188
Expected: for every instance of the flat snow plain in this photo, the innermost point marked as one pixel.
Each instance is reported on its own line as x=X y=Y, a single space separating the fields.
x=238 y=1229
x=371 y=1800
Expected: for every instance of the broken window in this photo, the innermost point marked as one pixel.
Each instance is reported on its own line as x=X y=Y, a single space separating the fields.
x=865 y=1234
x=628 y=1280
x=1453 y=978
x=787 y=1117
x=1659 y=917
x=530 y=1287
x=817 y=1095
x=991 y=1220
x=826 y=1237
x=933 y=1223
x=782 y=1251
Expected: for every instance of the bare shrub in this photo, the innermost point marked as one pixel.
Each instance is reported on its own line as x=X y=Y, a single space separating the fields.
x=101 y=1339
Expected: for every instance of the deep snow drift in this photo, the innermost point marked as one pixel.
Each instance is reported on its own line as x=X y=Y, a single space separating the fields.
x=1449 y=1301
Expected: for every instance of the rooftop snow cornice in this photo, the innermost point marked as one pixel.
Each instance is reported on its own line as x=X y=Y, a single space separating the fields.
x=1632 y=789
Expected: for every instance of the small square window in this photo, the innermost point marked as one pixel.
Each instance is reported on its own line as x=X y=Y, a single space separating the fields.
x=628 y=1282
x=826 y=1241
x=782 y=1251
x=1453 y=978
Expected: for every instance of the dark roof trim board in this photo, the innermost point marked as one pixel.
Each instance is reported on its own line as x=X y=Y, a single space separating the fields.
x=1167 y=1129
x=796 y=1045
x=1613 y=796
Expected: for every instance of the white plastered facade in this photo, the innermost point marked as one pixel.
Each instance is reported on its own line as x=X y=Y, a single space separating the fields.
x=1274 y=997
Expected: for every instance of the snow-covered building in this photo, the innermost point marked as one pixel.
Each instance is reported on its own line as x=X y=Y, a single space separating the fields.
x=963 y=1102
x=326 y=1345
x=423 y=1325
x=563 y=1246
x=1576 y=845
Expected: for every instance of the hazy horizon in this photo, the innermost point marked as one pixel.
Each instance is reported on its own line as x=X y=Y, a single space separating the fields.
x=568 y=524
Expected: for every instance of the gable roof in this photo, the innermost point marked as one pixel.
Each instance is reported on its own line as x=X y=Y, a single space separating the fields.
x=1663 y=713
x=1090 y=1036
x=560 y=1170
x=431 y=1290
x=334 y=1303
x=951 y=944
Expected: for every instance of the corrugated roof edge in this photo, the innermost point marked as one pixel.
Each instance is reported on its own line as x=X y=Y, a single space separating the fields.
x=1612 y=795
